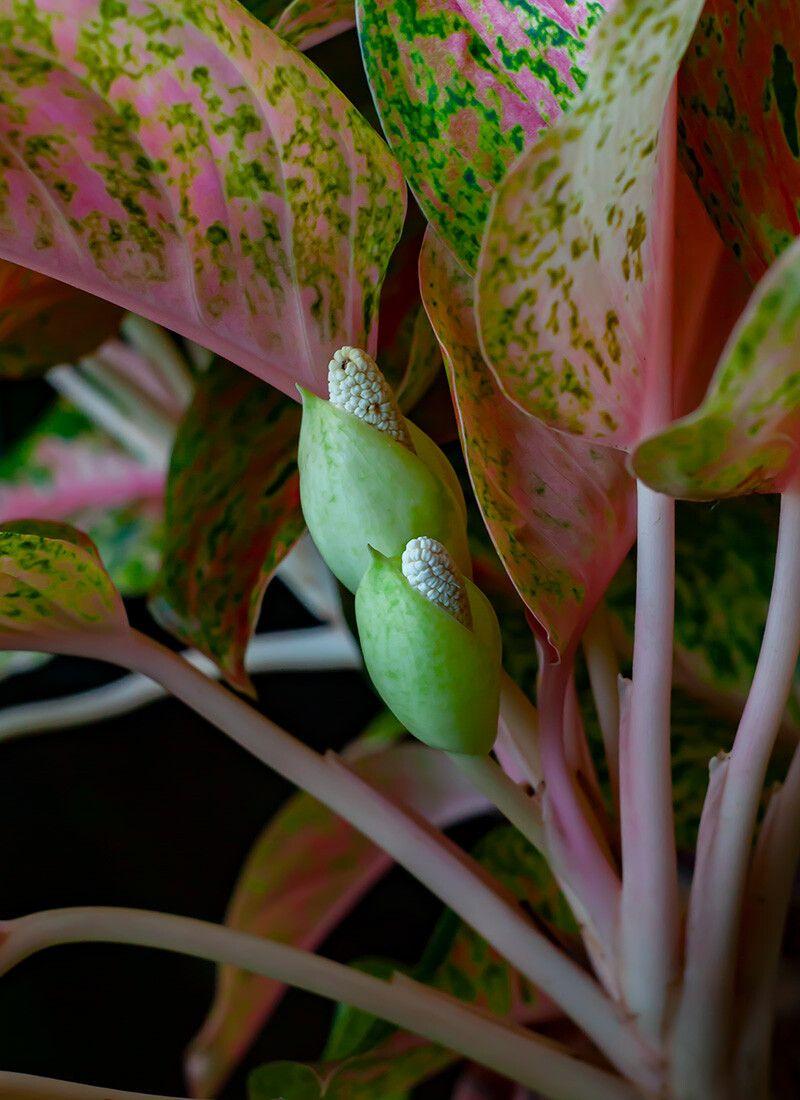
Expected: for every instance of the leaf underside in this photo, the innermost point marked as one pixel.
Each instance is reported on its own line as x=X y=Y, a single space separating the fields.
x=181 y=160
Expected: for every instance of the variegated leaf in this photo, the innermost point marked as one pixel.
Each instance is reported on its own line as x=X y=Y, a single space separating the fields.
x=740 y=123
x=570 y=284
x=745 y=437
x=44 y=322
x=65 y=466
x=304 y=23
x=560 y=511
x=232 y=514
x=183 y=161
x=462 y=85
x=53 y=588
x=305 y=873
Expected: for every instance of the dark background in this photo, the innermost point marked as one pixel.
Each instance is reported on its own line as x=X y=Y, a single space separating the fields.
x=158 y=810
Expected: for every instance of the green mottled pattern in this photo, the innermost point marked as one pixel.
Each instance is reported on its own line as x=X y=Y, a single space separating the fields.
x=232 y=513
x=461 y=88
x=740 y=123
x=181 y=160
x=744 y=436
x=559 y=510
x=129 y=541
x=52 y=585
x=568 y=285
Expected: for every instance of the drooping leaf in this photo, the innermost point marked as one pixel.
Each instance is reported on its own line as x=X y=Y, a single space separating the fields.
x=232 y=513
x=304 y=874
x=559 y=510
x=740 y=124
x=462 y=86
x=184 y=162
x=53 y=587
x=745 y=436
x=65 y=466
x=570 y=280
x=44 y=322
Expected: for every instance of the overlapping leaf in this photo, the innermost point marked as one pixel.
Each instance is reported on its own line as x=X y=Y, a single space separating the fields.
x=559 y=510
x=53 y=586
x=44 y=322
x=570 y=284
x=305 y=23
x=745 y=436
x=232 y=513
x=462 y=86
x=740 y=123
x=306 y=871
x=183 y=161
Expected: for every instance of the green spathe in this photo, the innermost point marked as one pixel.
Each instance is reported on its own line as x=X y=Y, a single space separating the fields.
x=440 y=678
x=359 y=488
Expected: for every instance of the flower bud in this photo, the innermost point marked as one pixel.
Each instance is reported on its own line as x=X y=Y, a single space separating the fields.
x=369 y=477
x=431 y=644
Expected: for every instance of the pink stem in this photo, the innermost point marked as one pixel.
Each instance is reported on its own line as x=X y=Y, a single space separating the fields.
x=650 y=913
x=702 y=1029
x=579 y=859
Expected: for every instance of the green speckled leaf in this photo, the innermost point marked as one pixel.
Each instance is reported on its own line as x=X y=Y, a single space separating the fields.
x=44 y=322
x=53 y=586
x=560 y=511
x=740 y=123
x=744 y=437
x=569 y=284
x=232 y=513
x=182 y=161
x=304 y=874
x=462 y=85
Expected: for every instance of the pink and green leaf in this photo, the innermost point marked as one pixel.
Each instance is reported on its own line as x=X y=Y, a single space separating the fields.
x=184 y=162
x=740 y=124
x=462 y=87
x=66 y=466
x=559 y=510
x=745 y=436
x=304 y=874
x=52 y=587
x=570 y=281
x=232 y=514
x=307 y=23
x=44 y=322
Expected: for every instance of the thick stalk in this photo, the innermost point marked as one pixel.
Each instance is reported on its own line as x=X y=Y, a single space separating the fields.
x=511 y=800
x=650 y=914
x=437 y=863
x=24 y=1086
x=769 y=892
x=702 y=1029
x=518 y=730
x=602 y=665
x=575 y=841
x=510 y=1051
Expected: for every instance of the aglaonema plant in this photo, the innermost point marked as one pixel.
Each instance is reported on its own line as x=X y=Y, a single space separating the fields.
x=605 y=355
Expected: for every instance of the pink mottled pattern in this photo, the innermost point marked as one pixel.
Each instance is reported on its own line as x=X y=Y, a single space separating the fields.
x=84 y=475
x=176 y=169
x=560 y=511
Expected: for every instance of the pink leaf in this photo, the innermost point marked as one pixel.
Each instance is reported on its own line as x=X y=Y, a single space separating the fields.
x=195 y=169
x=305 y=873
x=569 y=286
x=559 y=510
